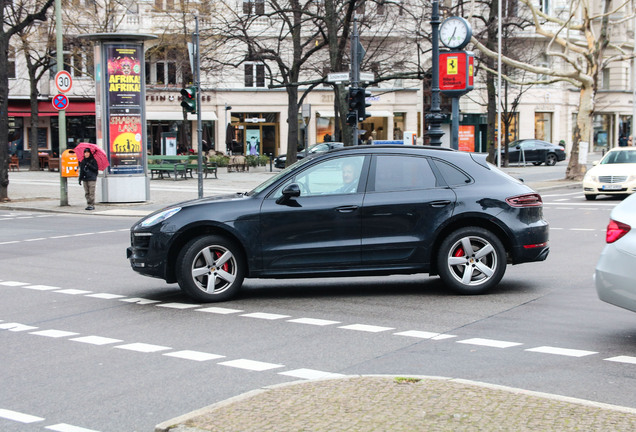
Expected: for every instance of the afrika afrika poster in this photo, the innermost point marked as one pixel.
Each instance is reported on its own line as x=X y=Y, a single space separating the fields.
x=123 y=80
x=125 y=130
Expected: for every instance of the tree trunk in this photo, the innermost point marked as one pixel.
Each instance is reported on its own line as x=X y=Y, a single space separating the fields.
x=582 y=133
x=292 y=126
x=33 y=127
x=4 y=120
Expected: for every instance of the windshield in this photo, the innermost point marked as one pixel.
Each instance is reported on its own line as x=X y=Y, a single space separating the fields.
x=616 y=157
x=261 y=187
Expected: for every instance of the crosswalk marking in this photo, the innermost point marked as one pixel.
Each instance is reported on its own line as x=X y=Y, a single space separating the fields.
x=561 y=351
x=193 y=355
x=251 y=365
x=143 y=347
x=366 y=328
x=489 y=343
x=18 y=416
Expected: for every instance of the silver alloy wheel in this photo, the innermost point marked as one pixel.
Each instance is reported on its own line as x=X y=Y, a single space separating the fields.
x=472 y=260
x=214 y=269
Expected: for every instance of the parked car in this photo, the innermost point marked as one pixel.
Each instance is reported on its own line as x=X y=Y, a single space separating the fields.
x=281 y=161
x=614 y=174
x=614 y=277
x=534 y=151
x=361 y=210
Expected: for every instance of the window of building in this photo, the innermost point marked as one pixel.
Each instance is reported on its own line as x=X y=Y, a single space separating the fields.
x=256 y=7
x=78 y=61
x=164 y=68
x=11 y=63
x=254 y=75
x=605 y=79
x=380 y=9
x=543 y=126
x=510 y=8
x=544 y=6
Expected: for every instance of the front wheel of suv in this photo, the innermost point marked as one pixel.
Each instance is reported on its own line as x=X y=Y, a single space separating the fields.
x=210 y=268
x=471 y=260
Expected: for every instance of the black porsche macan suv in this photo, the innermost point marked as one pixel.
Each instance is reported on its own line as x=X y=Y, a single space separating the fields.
x=364 y=210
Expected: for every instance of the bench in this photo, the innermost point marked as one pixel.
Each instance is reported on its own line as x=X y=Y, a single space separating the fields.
x=193 y=165
x=237 y=163
x=161 y=165
x=54 y=163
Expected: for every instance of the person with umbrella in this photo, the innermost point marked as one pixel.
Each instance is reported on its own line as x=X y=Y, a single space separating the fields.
x=88 y=175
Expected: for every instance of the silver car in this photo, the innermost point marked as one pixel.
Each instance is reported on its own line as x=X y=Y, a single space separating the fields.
x=615 y=277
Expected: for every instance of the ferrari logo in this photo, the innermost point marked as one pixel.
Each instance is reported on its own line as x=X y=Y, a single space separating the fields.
x=452 y=66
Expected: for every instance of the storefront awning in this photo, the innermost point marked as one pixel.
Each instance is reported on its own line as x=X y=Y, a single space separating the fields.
x=323 y=113
x=45 y=109
x=178 y=115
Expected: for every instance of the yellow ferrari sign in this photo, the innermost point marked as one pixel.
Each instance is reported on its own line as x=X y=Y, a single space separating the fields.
x=452 y=65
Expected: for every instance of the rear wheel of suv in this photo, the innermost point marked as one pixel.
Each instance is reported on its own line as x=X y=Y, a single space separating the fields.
x=471 y=260
x=551 y=159
x=210 y=268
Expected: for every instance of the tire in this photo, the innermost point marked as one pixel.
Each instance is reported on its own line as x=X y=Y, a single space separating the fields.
x=477 y=271
x=550 y=159
x=213 y=260
x=590 y=197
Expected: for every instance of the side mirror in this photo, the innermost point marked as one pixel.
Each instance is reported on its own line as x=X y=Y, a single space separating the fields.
x=595 y=163
x=291 y=191
x=518 y=147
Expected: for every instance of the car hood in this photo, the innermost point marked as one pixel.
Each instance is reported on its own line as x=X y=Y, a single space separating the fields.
x=620 y=169
x=215 y=198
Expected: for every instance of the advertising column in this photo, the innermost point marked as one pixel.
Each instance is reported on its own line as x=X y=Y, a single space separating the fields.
x=120 y=115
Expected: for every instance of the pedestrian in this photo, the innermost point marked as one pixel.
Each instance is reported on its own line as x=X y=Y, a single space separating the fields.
x=88 y=175
x=622 y=141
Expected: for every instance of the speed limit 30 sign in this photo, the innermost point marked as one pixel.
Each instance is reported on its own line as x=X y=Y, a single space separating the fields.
x=63 y=81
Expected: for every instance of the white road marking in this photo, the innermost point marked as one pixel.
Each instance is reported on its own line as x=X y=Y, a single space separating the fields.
x=9 y=242
x=34 y=239
x=219 y=310
x=13 y=283
x=251 y=365
x=54 y=333
x=417 y=334
x=105 y=296
x=63 y=427
x=489 y=343
x=16 y=327
x=143 y=347
x=444 y=336
x=582 y=229
x=141 y=301
x=310 y=374
x=194 y=355
x=265 y=316
x=562 y=351
x=96 y=340
x=622 y=359
x=366 y=328
x=73 y=291
x=179 y=305
x=313 y=321
x=18 y=416
x=42 y=287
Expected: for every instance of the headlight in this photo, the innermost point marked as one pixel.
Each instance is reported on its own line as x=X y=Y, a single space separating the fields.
x=590 y=178
x=159 y=217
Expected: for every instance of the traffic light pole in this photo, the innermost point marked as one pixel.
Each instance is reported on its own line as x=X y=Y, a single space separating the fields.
x=355 y=72
x=197 y=83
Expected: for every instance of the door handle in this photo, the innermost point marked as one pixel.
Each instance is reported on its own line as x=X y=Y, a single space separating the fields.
x=347 y=209
x=439 y=204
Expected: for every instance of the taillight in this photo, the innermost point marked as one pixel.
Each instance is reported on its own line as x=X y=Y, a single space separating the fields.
x=527 y=200
x=616 y=230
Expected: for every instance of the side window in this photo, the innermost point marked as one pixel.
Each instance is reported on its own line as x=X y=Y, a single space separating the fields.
x=395 y=173
x=331 y=177
x=452 y=175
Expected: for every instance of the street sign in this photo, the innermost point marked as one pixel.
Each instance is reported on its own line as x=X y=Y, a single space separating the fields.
x=338 y=77
x=367 y=76
x=63 y=81
x=60 y=102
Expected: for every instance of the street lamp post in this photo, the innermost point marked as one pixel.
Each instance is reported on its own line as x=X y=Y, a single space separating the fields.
x=434 y=117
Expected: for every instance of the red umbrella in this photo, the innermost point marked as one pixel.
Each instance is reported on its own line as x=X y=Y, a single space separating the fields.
x=98 y=154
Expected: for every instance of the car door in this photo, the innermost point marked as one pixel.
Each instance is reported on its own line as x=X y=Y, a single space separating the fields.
x=321 y=228
x=404 y=205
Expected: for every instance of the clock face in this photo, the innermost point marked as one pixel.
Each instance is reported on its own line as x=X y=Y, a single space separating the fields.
x=455 y=32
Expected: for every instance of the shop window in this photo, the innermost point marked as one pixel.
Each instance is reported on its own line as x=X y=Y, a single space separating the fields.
x=254 y=75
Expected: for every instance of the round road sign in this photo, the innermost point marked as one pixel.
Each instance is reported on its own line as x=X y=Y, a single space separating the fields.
x=60 y=102
x=63 y=81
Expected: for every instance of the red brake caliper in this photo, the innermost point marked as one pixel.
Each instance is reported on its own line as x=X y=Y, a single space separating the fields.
x=459 y=252
x=225 y=266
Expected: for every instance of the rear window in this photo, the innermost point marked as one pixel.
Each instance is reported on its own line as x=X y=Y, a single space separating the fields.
x=395 y=173
x=453 y=175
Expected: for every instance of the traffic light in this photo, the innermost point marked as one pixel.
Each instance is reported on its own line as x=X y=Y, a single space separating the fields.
x=189 y=102
x=357 y=105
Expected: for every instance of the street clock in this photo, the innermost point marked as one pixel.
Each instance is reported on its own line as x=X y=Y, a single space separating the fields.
x=455 y=32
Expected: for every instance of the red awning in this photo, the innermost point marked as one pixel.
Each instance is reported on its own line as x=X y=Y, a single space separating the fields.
x=45 y=109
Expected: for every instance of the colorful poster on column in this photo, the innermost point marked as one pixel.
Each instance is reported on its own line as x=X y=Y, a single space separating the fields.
x=466 y=140
x=123 y=92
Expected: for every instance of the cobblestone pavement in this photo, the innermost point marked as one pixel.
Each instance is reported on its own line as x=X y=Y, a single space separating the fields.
x=384 y=403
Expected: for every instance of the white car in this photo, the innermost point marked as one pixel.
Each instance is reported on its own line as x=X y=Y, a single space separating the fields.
x=615 y=277
x=614 y=174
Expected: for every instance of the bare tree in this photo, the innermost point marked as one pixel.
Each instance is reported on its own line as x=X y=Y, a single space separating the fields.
x=15 y=16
